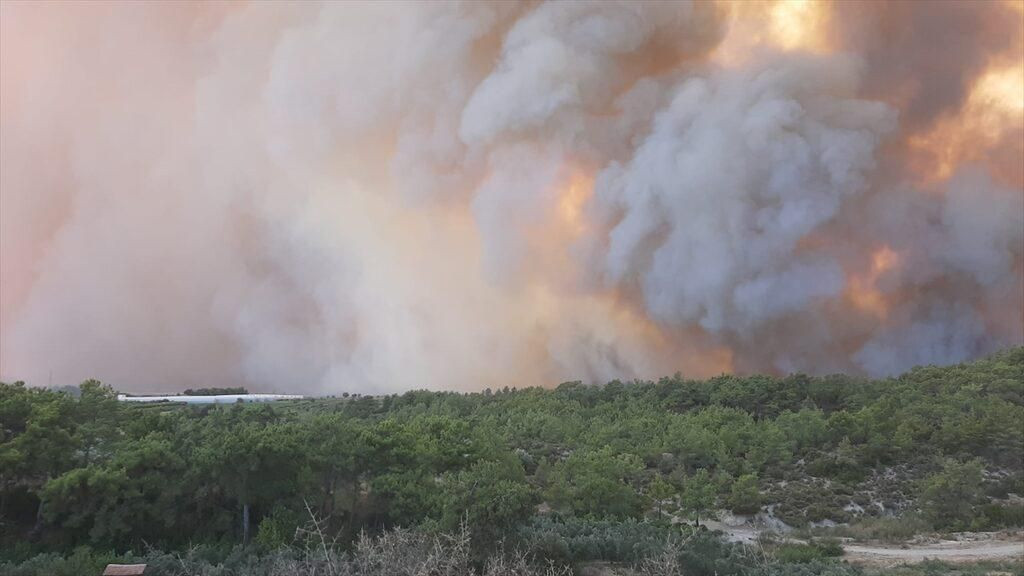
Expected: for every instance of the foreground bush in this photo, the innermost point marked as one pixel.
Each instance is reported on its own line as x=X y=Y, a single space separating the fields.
x=572 y=540
x=403 y=552
x=394 y=553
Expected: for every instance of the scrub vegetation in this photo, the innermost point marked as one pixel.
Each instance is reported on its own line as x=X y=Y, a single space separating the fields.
x=512 y=481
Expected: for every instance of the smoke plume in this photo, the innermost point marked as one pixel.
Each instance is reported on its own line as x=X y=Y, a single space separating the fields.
x=374 y=197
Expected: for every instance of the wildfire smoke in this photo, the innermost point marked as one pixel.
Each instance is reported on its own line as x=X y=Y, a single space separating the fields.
x=382 y=196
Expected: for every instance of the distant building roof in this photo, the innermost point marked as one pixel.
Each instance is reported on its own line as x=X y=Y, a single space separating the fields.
x=216 y=399
x=125 y=570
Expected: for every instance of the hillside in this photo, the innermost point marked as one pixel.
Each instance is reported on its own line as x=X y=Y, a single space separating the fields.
x=572 y=475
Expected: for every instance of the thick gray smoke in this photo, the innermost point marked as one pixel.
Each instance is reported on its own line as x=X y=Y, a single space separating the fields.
x=382 y=196
x=737 y=170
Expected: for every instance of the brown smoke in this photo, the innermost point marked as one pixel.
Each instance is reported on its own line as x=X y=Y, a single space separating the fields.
x=382 y=196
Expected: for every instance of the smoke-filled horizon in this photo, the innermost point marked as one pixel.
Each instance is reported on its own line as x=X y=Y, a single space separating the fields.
x=373 y=197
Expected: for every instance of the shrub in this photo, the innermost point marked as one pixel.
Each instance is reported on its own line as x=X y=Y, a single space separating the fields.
x=886 y=529
x=798 y=503
x=996 y=516
x=83 y=560
x=948 y=497
x=828 y=547
x=798 y=553
x=744 y=496
x=581 y=539
x=276 y=530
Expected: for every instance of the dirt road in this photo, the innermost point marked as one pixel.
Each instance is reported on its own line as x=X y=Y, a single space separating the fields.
x=879 y=556
x=975 y=548
x=947 y=551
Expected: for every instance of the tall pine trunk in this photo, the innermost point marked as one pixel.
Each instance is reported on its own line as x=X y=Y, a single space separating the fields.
x=327 y=506
x=245 y=523
x=38 y=528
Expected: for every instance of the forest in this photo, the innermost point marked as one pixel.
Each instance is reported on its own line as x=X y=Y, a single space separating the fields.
x=511 y=481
